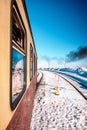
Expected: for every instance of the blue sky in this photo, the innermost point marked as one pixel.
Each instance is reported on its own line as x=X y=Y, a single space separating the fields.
x=59 y=27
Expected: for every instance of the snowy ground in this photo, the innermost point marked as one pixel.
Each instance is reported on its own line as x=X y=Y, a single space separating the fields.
x=77 y=85
x=78 y=78
x=66 y=111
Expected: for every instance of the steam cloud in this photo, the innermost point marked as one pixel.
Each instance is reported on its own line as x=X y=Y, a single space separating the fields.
x=79 y=54
x=48 y=59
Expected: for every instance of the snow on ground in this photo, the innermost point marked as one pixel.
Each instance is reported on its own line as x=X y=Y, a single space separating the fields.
x=78 y=86
x=79 y=74
x=75 y=75
x=66 y=111
x=81 y=71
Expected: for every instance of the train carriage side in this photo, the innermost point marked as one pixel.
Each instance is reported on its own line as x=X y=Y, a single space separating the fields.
x=18 y=57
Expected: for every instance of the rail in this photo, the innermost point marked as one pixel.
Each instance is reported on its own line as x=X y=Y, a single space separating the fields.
x=85 y=97
x=39 y=77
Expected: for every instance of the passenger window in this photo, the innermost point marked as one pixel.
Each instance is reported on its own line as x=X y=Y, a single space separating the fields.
x=31 y=62
x=18 y=56
x=34 y=64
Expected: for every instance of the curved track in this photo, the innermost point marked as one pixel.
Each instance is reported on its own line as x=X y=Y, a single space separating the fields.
x=71 y=83
x=66 y=111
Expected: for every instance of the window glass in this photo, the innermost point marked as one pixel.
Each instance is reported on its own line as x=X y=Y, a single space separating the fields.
x=18 y=73
x=31 y=61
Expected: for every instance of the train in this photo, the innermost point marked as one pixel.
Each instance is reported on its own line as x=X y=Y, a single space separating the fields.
x=18 y=59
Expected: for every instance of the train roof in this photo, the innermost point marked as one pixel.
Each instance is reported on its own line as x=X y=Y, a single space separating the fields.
x=24 y=4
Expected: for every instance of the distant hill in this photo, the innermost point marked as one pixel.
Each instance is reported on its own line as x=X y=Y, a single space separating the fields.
x=80 y=71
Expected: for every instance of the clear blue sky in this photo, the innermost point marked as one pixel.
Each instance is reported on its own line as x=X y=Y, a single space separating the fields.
x=59 y=27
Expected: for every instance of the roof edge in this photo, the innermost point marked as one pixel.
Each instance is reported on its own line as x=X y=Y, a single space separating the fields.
x=27 y=16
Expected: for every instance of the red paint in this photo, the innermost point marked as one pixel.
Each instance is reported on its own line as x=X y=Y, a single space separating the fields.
x=22 y=116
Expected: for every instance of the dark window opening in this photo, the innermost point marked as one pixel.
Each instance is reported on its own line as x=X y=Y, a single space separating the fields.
x=17 y=29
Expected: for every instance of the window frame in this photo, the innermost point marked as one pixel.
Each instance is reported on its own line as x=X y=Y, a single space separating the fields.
x=20 y=49
x=31 y=61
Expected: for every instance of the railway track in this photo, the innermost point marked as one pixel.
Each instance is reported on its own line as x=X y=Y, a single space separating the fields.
x=71 y=83
x=68 y=110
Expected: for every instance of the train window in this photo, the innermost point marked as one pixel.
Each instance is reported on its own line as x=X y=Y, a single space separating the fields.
x=31 y=62
x=34 y=64
x=18 y=56
x=17 y=29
